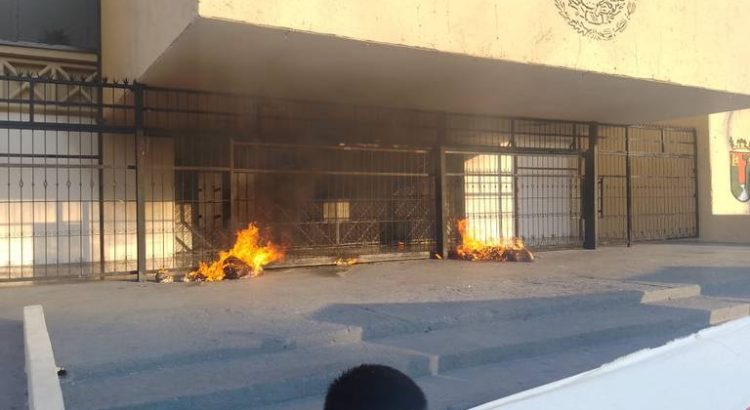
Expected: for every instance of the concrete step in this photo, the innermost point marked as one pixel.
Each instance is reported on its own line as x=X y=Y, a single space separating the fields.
x=383 y=320
x=238 y=379
x=247 y=382
x=718 y=310
x=465 y=388
x=324 y=334
x=468 y=387
x=158 y=349
x=475 y=345
x=660 y=292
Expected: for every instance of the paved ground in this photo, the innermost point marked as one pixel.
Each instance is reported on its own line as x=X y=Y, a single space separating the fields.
x=468 y=332
x=12 y=377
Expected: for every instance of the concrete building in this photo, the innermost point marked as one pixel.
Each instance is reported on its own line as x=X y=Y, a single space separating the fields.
x=361 y=129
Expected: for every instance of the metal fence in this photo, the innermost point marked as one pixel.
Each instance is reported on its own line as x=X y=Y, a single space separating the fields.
x=98 y=178
x=647 y=183
x=66 y=195
x=519 y=178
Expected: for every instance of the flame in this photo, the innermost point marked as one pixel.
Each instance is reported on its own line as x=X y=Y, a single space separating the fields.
x=504 y=249
x=248 y=248
x=346 y=262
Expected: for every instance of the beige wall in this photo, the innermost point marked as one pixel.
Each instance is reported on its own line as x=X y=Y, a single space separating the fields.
x=690 y=42
x=136 y=32
x=713 y=185
x=674 y=58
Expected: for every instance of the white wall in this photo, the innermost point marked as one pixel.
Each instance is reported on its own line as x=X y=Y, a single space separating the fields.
x=48 y=205
x=713 y=184
x=49 y=214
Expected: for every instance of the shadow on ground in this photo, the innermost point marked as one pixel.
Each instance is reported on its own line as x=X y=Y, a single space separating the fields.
x=610 y=325
x=253 y=374
x=727 y=282
x=383 y=319
x=543 y=362
x=12 y=375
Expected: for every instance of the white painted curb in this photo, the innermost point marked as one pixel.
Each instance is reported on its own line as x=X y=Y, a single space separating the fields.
x=41 y=371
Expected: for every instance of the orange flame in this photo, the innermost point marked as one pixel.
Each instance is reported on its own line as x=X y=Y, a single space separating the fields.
x=248 y=248
x=346 y=262
x=474 y=249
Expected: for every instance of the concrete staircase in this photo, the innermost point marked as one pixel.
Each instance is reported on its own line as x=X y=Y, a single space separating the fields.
x=461 y=354
x=718 y=310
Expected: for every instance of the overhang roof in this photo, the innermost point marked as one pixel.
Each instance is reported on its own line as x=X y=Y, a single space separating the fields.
x=242 y=58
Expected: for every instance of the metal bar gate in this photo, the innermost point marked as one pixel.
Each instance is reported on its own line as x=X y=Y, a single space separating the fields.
x=517 y=178
x=100 y=178
x=647 y=184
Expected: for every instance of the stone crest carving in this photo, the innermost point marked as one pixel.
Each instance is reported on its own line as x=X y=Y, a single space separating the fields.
x=598 y=19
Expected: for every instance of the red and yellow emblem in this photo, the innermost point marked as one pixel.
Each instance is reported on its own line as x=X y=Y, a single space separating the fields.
x=739 y=160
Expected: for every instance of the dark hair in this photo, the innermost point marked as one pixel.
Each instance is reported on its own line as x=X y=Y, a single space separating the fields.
x=374 y=387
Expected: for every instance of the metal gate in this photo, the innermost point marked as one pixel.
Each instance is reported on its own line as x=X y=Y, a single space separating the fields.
x=67 y=196
x=521 y=178
x=102 y=178
x=344 y=200
x=99 y=178
x=647 y=183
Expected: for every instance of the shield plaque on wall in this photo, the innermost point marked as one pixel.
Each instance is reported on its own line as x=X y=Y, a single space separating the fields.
x=739 y=161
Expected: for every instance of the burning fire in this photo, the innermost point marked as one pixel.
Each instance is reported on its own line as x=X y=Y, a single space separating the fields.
x=474 y=249
x=248 y=256
x=346 y=262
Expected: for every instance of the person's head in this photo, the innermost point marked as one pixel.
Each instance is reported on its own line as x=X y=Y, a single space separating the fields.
x=374 y=387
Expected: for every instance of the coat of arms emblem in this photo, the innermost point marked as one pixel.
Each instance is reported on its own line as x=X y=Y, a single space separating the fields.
x=598 y=19
x=739 y=159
